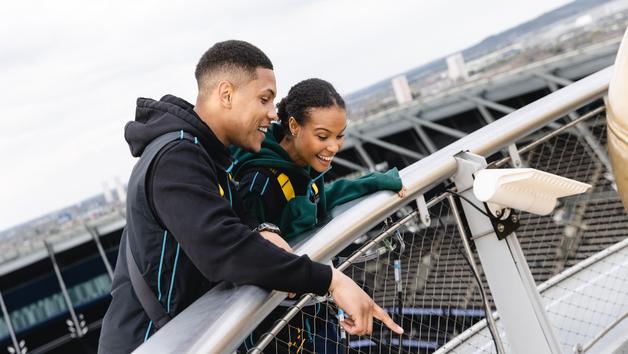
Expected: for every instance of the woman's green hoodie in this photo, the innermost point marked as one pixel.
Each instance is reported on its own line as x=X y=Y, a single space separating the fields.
x=295 y=198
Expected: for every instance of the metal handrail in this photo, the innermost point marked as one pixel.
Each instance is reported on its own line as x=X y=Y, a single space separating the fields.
x=580 y=348
x=542 y=288
x=220 y=320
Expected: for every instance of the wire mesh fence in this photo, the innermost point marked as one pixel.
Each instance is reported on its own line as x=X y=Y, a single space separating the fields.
x=422 y=275
x=588 y=297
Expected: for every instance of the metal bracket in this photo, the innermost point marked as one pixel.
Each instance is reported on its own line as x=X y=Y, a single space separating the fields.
x=514 y=156
x=504 y=221
x=424 y=214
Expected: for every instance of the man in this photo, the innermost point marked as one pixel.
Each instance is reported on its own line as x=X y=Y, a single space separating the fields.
x=183 y=233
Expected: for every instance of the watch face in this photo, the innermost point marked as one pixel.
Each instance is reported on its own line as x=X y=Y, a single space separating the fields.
x=269 y=227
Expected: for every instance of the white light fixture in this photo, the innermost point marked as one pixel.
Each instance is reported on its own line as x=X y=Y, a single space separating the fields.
x=524 y=189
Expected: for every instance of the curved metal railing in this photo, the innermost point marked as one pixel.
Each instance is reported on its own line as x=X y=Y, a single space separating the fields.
x=220 y=320
x=437 y=295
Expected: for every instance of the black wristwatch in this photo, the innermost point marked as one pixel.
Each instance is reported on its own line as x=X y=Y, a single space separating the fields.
x=266 y=226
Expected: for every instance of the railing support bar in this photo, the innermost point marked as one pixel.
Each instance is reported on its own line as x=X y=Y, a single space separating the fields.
x=509 y=278
x=487 y=307
x=365 y=156
x=7 y=319
x=96 y=237
x=64 y=290
x=388 y=146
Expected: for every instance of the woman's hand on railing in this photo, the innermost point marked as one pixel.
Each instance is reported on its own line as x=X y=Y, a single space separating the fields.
x=358 y=306
x=402 y=192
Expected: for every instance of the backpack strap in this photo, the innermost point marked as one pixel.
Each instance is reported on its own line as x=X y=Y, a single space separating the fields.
x=258 y=183
x=147 y=298
x=286 y=186
x=145 y=295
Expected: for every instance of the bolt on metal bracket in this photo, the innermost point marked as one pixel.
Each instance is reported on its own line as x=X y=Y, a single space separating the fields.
x=514 y=156
x=504 y=221
x=424 y=214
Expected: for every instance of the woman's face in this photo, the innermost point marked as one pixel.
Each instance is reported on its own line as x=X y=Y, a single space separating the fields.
x=320 y=138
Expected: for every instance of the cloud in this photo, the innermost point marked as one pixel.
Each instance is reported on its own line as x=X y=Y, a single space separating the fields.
x=71 y=70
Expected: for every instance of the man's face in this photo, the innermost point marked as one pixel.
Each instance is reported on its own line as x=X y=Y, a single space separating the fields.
x=253 y=110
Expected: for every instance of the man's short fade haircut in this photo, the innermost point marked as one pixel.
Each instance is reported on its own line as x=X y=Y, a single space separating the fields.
x=232 y=59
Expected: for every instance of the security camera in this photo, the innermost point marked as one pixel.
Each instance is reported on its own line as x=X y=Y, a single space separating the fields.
x=524 y=189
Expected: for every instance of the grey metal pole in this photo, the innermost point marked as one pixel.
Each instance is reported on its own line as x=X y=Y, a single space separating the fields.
x=435 y=126
x=487 y=307
x=490 y=104
x=425 y=139
x=66 y=296
x=96 y=237
x=488 y=117
x=365 y=156
x=346 y=163
x=7 y=319
x=507 y=273
x=386 y=145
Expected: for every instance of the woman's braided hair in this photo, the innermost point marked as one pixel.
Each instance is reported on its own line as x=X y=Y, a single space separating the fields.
x=303 y=97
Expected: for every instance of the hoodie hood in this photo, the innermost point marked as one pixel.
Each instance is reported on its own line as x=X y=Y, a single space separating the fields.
x=170 y=114
x=272 y=155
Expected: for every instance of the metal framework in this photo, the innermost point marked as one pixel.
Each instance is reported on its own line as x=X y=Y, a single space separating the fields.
x=386 y=145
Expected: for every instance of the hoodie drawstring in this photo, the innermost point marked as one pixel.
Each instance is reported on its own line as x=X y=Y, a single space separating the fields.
x=229 y=178
x=309 y=187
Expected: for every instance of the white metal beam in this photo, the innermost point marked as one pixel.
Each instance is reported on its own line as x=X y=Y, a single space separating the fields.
x=349 y=164
x=387 y=145
x=435 y=126
x=429 y=144
x=553 y=78
x=486 y=114
x=490 y=104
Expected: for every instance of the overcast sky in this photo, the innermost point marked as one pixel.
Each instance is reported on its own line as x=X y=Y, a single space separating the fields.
x=70 y=71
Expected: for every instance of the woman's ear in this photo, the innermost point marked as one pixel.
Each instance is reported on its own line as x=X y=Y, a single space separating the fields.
x=294 y=127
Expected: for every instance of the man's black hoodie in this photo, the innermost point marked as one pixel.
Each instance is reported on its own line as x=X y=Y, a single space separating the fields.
x=197 y=237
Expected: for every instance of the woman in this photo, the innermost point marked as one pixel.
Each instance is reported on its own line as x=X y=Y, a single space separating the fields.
x=283 y=183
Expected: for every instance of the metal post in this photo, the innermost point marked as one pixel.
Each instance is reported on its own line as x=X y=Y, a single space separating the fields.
x=7 y=319
x=490 y=104
x=554 y=79
x=365 y=156
x=435 y=126
x=510 y=280
x=66 y=296
x=486 y=114
x=346 y=163
x=386 y=145
x=429 y=144
x=487 y=307
x=96 y=237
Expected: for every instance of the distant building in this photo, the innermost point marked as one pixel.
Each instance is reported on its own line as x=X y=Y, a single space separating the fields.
x=401 y=89
x=584 y=20
x=456 y=68
x=120 y=190
x=107 y=192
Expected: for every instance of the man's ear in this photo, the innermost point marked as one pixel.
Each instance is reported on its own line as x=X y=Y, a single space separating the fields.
x=225 y=93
